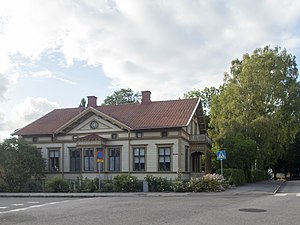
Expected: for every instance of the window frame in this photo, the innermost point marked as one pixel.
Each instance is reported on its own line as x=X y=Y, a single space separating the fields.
x=89 y=159
x=54 y=160
x=114 y=161
x=167 y=166
x=139 y=157
x=77 y=168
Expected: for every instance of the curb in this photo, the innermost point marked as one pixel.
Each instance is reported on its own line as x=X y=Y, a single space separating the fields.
x=279 y=186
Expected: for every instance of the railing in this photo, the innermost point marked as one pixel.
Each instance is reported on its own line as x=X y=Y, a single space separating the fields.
x=200 y=138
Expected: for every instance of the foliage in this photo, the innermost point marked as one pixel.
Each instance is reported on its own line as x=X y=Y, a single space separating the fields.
x=258 y=175
x=33 y=186
x=125 y=183
x=205 y=95
x=82 y=102
x=3 y=186
x=241 y=152
x=235 y=176
x=107 y=186
x=207 y=183
x=19 y=163
x=291 y=162
x=121 y=96
x=85 y=185
x=158 y=184
x=260 y=101
x=179 y=185
x=57 y=184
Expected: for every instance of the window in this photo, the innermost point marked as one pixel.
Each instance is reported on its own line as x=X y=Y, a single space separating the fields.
x=114 y=136
x=164 y=133
x=114 y=159
x=75 y=160
x=186 y=159
x=139 y=134
x=35 y=139
x=53 y=160
x=89 y=159
x=139 y=159
x=164 y=158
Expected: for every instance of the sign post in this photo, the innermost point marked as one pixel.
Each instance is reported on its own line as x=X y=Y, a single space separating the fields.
x=99 y=161
x=221 y=155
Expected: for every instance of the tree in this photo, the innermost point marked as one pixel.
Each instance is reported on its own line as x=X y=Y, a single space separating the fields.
x=82 y=103
x=260 y=101
x=205 y=95
x=121 y=96
x=19 y=163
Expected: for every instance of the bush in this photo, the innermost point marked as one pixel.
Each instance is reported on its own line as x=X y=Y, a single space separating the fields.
x=57 y=184
x=125 y=183
x=235 y=176
x=179 y=186
x=107 y=186
x=85 y=185
x=207 y=183
x=3 y=186
x=33 y=186
x=258 y=175
x=158 y=184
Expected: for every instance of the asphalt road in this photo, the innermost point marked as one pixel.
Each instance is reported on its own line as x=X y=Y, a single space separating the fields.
x=226 y=208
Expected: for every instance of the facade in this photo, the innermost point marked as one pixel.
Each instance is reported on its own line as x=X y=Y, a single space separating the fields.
x=151 y=137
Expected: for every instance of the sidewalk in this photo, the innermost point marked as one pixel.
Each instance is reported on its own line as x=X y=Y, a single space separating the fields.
x=262 y=187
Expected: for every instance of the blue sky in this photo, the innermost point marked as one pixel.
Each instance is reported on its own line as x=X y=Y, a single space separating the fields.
x=53 y=53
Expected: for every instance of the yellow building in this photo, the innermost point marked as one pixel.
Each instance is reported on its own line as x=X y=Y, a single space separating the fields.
x=151 y=137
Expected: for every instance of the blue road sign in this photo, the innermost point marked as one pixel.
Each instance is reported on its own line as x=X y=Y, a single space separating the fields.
x=221 y=155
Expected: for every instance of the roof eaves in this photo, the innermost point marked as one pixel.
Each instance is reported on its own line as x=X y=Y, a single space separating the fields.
x=194 y=110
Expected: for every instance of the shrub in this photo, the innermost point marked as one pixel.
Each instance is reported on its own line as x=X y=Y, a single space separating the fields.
x=235 y=176
x=85 y=185
x=258 y=175
x=107 y=186
x=125 y=183
x=158 y=184
x=57 y=184
x=33 y=186
x=3 y=186
x=179 y=185
x=207 y=183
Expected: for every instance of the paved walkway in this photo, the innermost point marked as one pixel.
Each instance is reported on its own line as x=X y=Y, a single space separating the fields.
x=262 y=187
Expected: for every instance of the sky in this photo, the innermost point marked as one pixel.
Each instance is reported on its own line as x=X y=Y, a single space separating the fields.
x=54 y=53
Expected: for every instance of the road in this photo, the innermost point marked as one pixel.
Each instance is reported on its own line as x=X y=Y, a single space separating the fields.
x=245 y=205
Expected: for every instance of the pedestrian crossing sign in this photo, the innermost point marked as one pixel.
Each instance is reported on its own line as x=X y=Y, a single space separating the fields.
x=221 y=155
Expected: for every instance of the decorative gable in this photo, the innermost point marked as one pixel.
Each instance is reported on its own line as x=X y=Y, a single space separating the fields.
x=95 y=123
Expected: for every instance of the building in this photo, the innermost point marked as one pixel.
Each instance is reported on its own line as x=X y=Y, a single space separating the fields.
x=151 y=137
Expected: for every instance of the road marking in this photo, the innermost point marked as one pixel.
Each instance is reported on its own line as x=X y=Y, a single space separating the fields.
x=17 y=204
x=33 y=206
x=281 y=194
x=298 y=195
x=3 y=207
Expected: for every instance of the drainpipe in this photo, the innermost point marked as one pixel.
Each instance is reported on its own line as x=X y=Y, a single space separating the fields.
x=129 y=152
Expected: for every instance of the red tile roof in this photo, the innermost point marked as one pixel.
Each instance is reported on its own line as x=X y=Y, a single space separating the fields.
x=157 y=114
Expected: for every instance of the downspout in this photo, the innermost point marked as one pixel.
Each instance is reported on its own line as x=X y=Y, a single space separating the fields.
x=129 y=153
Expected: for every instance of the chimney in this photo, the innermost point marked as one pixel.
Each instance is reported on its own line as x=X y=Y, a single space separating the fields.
x=146 y=97
x=92 y=101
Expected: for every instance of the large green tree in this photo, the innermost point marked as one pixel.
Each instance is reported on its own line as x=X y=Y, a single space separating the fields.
x=19 y=163
x=205 y=95
x=260 y=101
x=122 y=96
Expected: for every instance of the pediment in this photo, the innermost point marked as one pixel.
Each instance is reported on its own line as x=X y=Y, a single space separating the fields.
x=95 y=124
x=91 y=121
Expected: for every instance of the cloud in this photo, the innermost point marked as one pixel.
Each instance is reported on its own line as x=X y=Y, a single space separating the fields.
x=168 y=47
x=27 y=111
x=48 y=74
